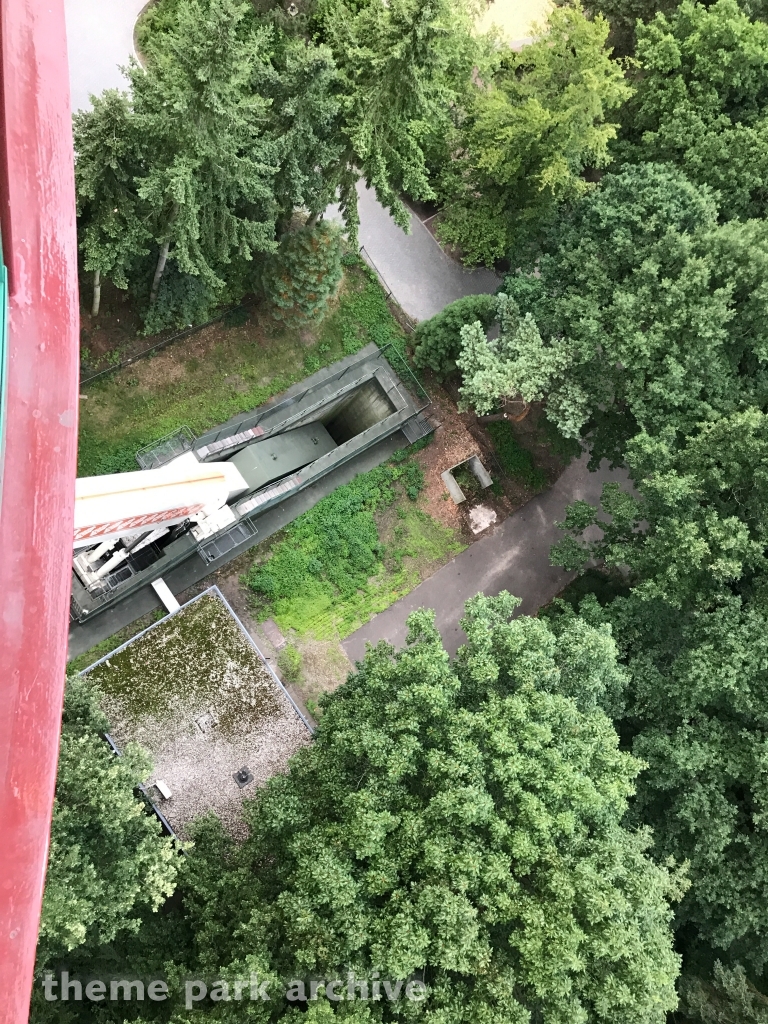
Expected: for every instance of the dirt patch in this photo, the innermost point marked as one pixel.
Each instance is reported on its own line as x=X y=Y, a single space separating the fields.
x=324 y=667
x=455 y=440
x=460 y=435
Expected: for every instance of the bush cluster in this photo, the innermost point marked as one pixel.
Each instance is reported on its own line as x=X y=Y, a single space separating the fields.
x=335 y=546
x=437 y=341
x=515 y=460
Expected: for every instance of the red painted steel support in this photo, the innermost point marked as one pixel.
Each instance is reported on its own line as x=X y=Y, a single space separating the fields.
x=37 y=214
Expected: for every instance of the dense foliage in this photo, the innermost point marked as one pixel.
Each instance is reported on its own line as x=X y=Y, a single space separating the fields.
x=647 y=312
x=108 y=860
x=515 y=460
x=305 y=271
x=437 y=341
x=459 y=823
x=730 y=997
x=476 y=825
x=188 y=181
x=694 y=627
x=528 y=134
x=701 y=102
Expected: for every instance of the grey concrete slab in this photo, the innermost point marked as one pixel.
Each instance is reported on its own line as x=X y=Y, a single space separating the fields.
x=515 y=557
x=99 y=42
x=83 y=635
x=423 y=280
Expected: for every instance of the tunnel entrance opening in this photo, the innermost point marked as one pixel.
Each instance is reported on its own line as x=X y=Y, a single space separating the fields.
x=364 y=408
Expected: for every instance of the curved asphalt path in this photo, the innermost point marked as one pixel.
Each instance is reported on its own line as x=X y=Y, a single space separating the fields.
x=100 y=41
x=412 y=266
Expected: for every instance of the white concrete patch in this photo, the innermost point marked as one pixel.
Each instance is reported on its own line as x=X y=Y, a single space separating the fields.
x=163 y=591
x=99 y=42
x=480 y=518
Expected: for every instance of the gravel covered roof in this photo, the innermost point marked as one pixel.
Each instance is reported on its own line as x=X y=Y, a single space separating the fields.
x=194 y=691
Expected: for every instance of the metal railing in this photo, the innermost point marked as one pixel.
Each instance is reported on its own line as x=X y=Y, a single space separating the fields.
x=159 y=452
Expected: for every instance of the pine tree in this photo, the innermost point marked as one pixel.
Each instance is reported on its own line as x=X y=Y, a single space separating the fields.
x=305 y=272
x=114 y=234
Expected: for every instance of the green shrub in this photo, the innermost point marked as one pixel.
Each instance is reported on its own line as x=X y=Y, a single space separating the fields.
x=305 y=272
x=334 y=547
x=183 y=300
x=236 y=317
x=437 y=341
x=515 y=460
x=289 y=661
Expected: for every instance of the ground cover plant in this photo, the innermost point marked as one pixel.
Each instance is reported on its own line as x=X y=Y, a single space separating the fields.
x=240 y=370
x=515 y=460
x=332 y=570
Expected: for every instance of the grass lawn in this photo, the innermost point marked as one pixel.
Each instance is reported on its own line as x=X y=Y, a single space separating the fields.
x=221 y=371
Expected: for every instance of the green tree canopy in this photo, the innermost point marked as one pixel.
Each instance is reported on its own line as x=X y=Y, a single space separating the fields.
x=403 y=64
x=192 y=160
x=460 y=821
x=655 y=314
x=701 y=101
x=107 y=858
x=528 y=134
x=437 y=341
x=728 y=997
x=114 y=231
x=209 y=164
x=693 y=635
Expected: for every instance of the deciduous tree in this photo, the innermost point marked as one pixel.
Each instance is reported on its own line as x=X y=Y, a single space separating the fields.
x=701 y=101
x=656 y=313
x=462 y=822
x=108 y=858
x=693 y=636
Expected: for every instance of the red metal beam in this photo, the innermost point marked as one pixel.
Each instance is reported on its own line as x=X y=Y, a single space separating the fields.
x=37 y=214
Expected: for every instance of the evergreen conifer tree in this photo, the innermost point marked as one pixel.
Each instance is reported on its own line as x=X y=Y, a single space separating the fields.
x=305 y=272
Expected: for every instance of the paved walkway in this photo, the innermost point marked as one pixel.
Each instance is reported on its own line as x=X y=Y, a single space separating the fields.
x=422 y=278
x=515 y=557
x=99 y=40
